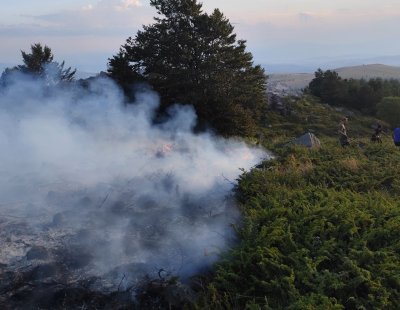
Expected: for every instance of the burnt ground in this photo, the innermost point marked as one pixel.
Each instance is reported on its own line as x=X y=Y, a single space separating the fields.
x=46 y=269
x=89 y=252
x=44 y=287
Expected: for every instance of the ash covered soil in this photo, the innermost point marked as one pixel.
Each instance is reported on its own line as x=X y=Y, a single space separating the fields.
x=86 y=250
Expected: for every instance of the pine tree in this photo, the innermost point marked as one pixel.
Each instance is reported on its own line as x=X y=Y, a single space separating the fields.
x=192 y=57
x=39 y=62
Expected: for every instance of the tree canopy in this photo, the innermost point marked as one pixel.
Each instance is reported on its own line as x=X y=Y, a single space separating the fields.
x=191 y=57
x=359 y=94
x=39 y=62
x=327 y=85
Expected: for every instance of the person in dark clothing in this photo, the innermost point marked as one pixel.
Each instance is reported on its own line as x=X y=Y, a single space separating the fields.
x=396 y=136
x=377 y=136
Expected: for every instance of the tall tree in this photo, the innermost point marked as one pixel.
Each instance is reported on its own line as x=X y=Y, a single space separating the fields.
x=192 y=57
x=327 y=85
x=36 y=61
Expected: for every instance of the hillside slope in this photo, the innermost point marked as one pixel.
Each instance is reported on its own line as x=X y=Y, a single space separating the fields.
x=292 y=83
x=369 y=72
x=321 y=227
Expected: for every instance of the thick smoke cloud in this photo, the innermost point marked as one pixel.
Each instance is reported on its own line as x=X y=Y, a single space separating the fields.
x=91 y=183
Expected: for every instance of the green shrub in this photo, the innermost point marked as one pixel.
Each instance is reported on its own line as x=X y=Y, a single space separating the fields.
x=321 y=231
x=389 y=110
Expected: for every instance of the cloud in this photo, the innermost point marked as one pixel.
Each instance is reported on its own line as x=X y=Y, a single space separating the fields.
x=88 y=7
x=128 y=4
x=119 y=5
x=306 y=16
x=107 y=17
x=348 y=26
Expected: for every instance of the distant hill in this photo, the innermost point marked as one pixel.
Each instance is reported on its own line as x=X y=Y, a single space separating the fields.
x=293 y=83
x=288 y=83
x=369 y=71
x=285 y=68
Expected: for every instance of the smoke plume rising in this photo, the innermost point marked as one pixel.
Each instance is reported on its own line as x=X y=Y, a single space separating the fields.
x=92 y=184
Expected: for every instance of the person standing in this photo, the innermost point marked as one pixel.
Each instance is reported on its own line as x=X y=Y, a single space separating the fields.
x=343 y=138
x=376 y=137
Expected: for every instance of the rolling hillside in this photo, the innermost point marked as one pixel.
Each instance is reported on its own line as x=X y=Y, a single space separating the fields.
x=292 y=83
x=369 y=71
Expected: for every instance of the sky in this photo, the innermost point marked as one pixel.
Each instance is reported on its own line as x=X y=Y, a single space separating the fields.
x=301 y=34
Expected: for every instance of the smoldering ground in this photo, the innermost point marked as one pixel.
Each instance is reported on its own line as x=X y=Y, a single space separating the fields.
x=92 y=188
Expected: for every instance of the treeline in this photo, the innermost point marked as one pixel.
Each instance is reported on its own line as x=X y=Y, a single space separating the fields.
x=364 y=95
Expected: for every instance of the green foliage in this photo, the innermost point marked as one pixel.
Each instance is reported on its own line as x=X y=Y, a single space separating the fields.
x=389 y=110
x=122 y=71
x=309 y=115
x=192 y=57
x=321 y=227
x=328 y=86
x=39 y=62
x=37 y=59
x=358 y=94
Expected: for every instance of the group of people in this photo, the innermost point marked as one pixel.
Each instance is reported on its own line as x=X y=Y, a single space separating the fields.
x=376 y=136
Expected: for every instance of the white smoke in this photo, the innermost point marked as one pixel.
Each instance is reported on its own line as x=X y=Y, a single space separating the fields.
x=106 y=191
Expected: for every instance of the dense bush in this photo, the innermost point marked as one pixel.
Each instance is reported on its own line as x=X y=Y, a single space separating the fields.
x=389 y=110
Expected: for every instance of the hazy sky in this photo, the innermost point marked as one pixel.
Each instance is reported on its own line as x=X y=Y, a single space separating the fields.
x=85 y=33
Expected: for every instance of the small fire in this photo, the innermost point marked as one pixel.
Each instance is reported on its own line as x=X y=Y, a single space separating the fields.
x=165 y=150
x=246 y=155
